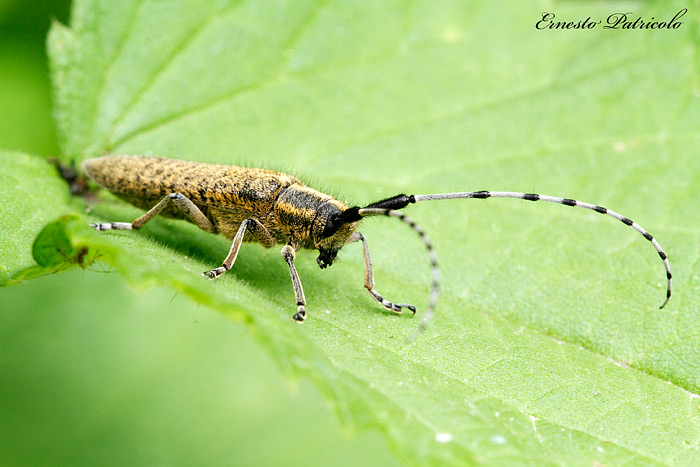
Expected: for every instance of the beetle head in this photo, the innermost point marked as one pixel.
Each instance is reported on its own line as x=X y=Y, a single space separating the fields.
x=331 y=229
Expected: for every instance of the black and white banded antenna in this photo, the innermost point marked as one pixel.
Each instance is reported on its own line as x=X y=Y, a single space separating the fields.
x=390 y=206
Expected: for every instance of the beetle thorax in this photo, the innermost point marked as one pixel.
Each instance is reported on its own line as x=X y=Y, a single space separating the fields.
x=306 y=215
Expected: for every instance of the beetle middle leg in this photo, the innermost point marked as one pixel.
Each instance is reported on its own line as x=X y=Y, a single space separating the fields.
x=369 y=278
x=288 y=254
x=251 y=225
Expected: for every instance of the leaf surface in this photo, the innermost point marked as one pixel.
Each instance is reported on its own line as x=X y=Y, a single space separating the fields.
x=548 y=345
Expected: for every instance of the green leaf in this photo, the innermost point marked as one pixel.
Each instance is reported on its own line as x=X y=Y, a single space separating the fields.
x=548 y=345
x=52 y=246
x=32 y=195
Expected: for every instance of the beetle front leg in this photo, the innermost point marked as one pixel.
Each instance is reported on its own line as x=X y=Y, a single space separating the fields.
x=369 y=278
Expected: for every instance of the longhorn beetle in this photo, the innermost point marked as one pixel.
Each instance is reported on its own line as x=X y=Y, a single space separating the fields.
x=246 y=204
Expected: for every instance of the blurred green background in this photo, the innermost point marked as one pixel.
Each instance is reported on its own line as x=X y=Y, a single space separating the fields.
x=176 y=385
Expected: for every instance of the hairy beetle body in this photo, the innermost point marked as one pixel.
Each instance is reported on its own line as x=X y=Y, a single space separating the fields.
x=226 y=195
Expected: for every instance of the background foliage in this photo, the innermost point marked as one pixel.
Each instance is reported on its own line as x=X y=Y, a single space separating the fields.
x=548 y=345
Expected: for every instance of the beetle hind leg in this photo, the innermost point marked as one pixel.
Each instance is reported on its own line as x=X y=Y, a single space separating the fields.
x=182 y=203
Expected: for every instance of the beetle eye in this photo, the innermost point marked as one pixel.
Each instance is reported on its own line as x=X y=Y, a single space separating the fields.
x=332 y=225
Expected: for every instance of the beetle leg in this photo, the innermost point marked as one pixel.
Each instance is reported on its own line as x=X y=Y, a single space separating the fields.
x=288 y=254
x=182 y=203
x=249 y=225
x=369 y=278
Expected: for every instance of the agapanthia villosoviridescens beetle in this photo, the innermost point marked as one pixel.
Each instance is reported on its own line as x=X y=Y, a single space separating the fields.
x=247 y=204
